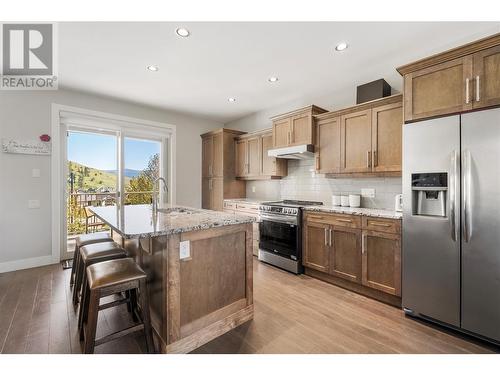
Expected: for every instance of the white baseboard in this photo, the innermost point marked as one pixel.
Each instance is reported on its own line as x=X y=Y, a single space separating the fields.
x=27 y=263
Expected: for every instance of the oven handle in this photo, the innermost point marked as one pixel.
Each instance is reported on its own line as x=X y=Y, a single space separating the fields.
x=279 y=219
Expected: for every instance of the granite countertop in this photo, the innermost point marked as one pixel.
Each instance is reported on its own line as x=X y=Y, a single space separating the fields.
x=374 y=212
x=137 y=221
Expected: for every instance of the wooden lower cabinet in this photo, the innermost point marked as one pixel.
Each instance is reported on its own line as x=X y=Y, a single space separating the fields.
x=382 y=261
x=349 y=253
x=316 y=251
x=345 y=253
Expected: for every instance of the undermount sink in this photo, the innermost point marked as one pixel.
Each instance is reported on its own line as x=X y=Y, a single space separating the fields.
x=176 y=211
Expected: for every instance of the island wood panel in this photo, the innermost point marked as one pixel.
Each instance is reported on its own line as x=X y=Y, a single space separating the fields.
x=387 y=136
x=487 y=78
x=356 y=142
x=203 y=296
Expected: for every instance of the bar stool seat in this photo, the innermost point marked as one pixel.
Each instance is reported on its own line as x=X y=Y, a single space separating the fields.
x=90 y=254
x=110 y=277
x=82 y=240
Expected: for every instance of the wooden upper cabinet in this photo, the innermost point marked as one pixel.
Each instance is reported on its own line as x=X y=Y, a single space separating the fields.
x=295 y=128
x=301 y=129
x=382 y=261
x=438 y=90
x=254 y=156
x=454 y=81
x=345 y=257
x=217 y=191
x=270 y=165
x=487 y=78
x=207 y=156
x=356 y=142
x=281 y=133
x=241 y=158
x=387 y=135
x=316 y=253
x=328 y=145
x=217 y=164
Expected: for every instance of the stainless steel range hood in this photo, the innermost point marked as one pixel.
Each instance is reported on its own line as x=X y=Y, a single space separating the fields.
x=293 y=152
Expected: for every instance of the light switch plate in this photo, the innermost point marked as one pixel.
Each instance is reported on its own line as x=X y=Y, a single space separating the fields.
x=184 y=250
x=33 y=203
x=35 y=173
x=253 y=189
x=368 y=193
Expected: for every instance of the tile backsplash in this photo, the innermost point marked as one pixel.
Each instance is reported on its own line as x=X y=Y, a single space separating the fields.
x=303 y=183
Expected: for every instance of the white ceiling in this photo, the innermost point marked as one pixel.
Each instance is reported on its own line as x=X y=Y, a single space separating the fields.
x=220 y=60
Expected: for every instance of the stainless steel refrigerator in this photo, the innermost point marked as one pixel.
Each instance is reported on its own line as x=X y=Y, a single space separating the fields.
x=451 y=221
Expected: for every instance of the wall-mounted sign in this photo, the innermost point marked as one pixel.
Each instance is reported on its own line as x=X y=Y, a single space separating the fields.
x=30 y=147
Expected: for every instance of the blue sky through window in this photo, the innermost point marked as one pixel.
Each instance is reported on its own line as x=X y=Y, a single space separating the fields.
x=99 y=151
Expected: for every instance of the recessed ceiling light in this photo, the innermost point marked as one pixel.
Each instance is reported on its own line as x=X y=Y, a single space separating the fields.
x=341 y=46
x=152 y=68
x=231 y=100
x=273 y=79
x=182 y=32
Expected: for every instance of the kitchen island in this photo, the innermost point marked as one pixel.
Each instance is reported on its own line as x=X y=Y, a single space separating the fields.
x=199 y=267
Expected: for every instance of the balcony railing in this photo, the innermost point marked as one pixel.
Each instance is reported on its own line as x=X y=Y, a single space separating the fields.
x=80 y=220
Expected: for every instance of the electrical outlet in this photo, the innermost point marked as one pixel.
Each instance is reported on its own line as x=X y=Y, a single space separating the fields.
x=368 y=193
x=184 y=250
x=35 y=173
x=33 y=203
x=253 y=189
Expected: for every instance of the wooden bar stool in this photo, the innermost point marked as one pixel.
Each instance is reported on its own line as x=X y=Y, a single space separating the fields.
x=82 y=240
x=90 y=254
x=107 y=278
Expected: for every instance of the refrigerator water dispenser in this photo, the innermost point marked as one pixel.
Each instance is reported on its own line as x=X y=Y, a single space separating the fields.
x=429 y=192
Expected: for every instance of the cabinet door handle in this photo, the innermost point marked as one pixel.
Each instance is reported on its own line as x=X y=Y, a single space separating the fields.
x=289 y=137
x=368 y=159
x=467 y=99
x=326 y=237
x=331 y=234
x=363 y=244
x=317 y=163
x=375 y=158
x=477 y=89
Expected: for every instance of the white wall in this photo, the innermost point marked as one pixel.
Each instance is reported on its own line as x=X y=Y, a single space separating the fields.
x=25 y=234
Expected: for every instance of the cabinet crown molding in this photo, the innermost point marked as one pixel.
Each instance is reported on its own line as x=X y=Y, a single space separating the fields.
x=360 y=107
x=310 y=108
x=454 y=53
x=258 y=133
x=222 y=130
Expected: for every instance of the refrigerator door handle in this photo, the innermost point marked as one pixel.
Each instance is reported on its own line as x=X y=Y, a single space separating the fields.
x=453 y=194
x=466 y=196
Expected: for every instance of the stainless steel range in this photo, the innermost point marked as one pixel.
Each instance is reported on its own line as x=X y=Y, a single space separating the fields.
x=281 y=234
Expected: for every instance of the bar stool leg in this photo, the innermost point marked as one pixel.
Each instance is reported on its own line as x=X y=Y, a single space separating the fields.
x=78 y=282
x=91 y=325
x=144 y=300
x=82 y=313
x=133 y=305
x=73 y=268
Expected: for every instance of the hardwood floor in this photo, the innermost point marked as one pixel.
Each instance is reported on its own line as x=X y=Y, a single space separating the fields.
x=293 y=314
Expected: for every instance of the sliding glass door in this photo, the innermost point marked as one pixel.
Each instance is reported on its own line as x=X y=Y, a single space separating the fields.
x=108 y=167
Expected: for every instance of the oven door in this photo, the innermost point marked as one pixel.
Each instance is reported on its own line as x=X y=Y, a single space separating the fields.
x=280 y=235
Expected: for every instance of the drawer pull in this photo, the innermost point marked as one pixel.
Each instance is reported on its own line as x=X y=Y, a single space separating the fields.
x=380 y=224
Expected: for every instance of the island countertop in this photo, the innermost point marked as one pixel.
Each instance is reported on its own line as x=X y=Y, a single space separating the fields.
x=138 y=221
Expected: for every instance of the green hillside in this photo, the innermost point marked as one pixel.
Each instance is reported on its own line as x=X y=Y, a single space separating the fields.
x=88 y=178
